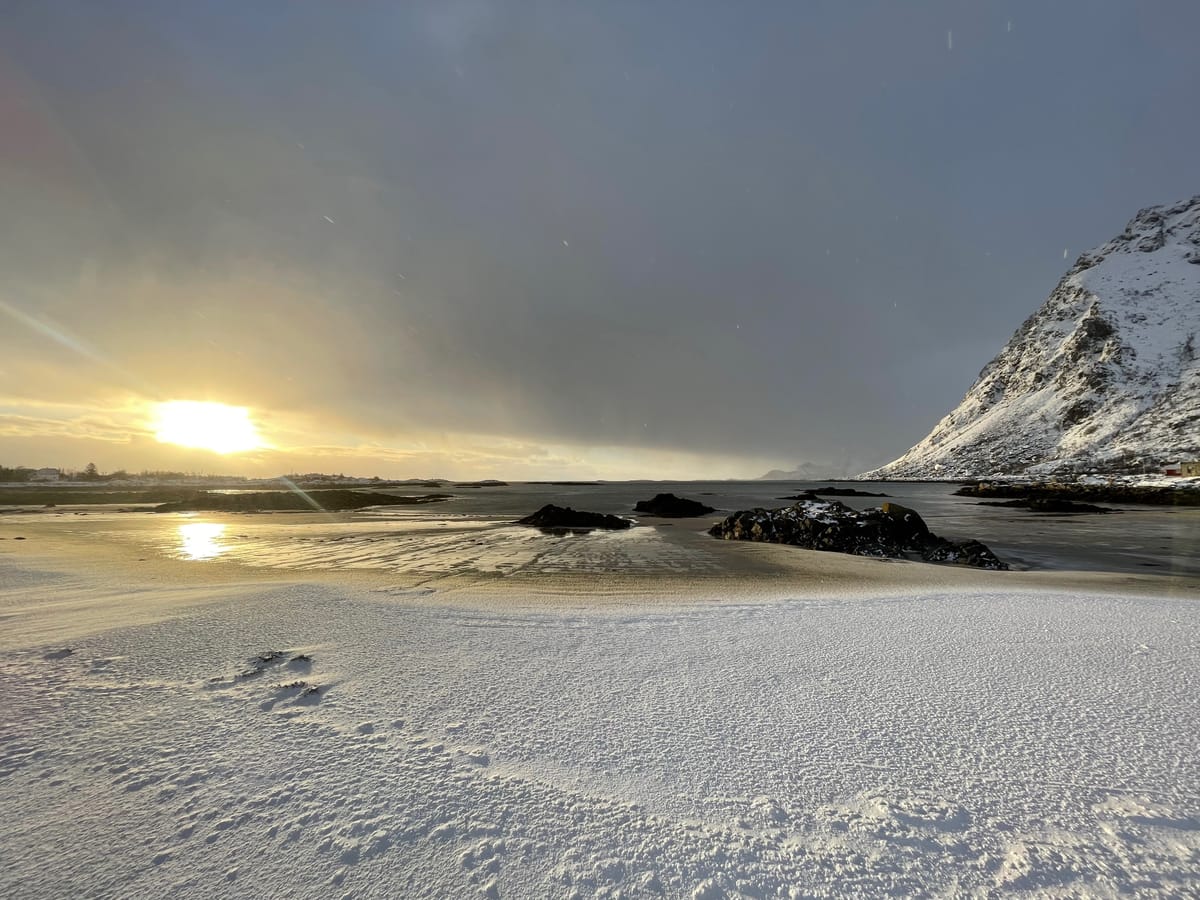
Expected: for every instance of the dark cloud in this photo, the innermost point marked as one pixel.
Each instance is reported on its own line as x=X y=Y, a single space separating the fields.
x=790 y=232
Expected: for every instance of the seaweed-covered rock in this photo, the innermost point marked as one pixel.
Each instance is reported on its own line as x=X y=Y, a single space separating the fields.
x=668 y=506
x=560 y=517
x=891 y=530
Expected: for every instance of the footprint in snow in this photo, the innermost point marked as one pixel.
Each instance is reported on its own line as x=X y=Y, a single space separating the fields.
x=258 y=666
x=478 y=757
x=296 y=691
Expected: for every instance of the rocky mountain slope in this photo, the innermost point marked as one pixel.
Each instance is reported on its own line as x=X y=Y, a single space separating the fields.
x=1105 y=377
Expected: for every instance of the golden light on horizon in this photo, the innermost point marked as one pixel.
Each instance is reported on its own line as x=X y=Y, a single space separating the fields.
x=206 y=426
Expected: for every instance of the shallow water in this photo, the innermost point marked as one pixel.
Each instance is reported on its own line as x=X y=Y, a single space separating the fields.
x=477 y=524
x=473 y=533
x=1138 y=539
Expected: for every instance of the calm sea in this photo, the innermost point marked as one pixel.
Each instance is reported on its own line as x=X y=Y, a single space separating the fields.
x=1136 y=539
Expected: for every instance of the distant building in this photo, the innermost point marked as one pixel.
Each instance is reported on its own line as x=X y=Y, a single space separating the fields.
x=1190 y=469
x=46 y=475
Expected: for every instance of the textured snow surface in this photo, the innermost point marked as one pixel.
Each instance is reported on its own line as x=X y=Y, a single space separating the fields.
x=1105 y=376
x=988 y=743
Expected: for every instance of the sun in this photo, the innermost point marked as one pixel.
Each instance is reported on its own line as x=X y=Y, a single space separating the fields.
x=207 y=426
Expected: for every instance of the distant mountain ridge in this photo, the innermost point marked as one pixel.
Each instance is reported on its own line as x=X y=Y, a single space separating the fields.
x=804 y=472
x=1105 y=377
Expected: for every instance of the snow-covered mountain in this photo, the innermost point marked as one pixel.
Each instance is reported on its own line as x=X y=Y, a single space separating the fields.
x=807 y=471
x=1105 y=377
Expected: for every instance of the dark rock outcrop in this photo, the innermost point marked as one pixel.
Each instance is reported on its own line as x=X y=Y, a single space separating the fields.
x=1102 y=493
x=843 y=492
x=555 y=518
x=566 y=483
x=891 y=530
x=293 y=501
x=668 y=506
x=1050 y=505
x=832 y=492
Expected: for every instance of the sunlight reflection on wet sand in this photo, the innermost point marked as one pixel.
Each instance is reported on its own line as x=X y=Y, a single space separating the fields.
x=201 y=540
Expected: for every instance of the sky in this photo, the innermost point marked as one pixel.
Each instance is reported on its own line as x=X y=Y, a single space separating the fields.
x=606 y=240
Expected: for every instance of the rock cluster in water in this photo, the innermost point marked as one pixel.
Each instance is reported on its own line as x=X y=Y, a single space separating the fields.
x=668 y=506
x=891 y=530
x=1102 y=493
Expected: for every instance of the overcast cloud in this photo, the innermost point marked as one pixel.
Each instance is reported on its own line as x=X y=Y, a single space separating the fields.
x=724 y=235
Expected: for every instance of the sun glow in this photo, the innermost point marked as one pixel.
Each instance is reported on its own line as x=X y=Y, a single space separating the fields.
x=208 y=426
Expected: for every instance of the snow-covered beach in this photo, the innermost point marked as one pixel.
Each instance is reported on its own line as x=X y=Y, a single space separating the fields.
x=444 y=450
x=203 y=728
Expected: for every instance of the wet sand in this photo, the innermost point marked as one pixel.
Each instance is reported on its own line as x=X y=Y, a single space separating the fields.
x=470 y=560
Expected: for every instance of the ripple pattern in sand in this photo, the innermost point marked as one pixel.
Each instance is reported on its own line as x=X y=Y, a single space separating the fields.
x=471 y=547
